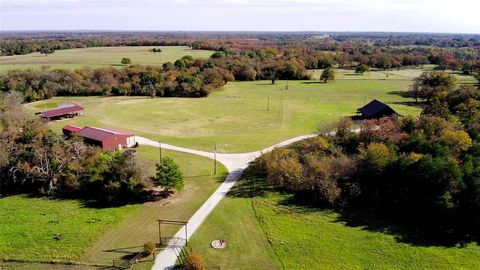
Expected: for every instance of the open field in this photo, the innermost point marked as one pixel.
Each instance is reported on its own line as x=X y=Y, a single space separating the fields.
x=42 y=229
x=297 y=237
x=100 y=57
x=391 y=75
x=241 y=111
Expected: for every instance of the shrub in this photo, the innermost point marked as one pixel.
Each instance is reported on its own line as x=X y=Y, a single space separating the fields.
x=193 y=261
x=148 y=248
x=126 y=61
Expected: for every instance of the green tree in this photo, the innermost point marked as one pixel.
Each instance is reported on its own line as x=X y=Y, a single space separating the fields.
x=477 y=76
x=469 y=112
x=168 y=175
x=328 y=74
x=46 y=50
x=180 y=63
x=126 y=61
x=362 y=68
x=375 y=156
x=433 y=85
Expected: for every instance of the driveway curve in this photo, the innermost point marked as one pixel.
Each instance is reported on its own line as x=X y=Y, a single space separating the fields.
x=235 y=164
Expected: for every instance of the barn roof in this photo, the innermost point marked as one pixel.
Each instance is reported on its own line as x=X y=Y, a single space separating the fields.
x=373 y=108
x=72 y=128
x=62 y=111
x=100 y=134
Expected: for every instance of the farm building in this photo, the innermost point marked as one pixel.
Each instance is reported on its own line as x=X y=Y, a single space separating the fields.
x=68 y=130
x=107 y=139
x=375 y=109
x=63 y=112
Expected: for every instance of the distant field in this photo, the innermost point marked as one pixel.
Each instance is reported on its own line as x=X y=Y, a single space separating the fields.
x=44 y=230
x=100 y=57
x=265 y=233
x=232 y=117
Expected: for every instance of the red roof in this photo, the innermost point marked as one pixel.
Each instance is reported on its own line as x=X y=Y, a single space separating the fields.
x=72 y=128
x=62 y=111
x=100 y=134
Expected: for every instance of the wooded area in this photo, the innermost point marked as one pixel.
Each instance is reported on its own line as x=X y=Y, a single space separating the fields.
x=423 y=172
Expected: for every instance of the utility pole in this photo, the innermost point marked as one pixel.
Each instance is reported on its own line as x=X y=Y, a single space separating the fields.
x=268 y=103
x=214 y=159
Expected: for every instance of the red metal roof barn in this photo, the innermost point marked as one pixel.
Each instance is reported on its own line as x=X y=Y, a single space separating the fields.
x=69 y=111
x=70 y=129
x=107 y=139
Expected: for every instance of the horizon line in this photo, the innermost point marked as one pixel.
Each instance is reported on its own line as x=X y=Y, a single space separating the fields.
x=238 y=31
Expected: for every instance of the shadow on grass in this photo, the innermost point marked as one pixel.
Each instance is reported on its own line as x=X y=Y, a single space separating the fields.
x=314 y=82
x=124 y=250
x=250 y=187
x=404 y=94
x=410 y=234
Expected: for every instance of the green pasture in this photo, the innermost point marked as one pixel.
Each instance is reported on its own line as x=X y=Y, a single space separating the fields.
x=100 y=57
x=243 y=116
x=264 y=232
x=45 y=229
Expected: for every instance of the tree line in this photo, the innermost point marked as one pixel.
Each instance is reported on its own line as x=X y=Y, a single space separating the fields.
x=187 y=77
x=345 y=50
x=421 y=171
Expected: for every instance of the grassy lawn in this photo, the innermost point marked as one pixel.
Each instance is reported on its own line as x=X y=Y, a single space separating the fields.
x=232 y=117
x=234 y=221
x=296 y=237
x=100 y=57
x=131 y=233
x=42 y=229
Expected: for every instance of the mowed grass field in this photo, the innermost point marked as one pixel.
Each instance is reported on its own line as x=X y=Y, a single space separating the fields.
x=100 y=57
x=264 y=232
x=46 y=230
x=243 y=116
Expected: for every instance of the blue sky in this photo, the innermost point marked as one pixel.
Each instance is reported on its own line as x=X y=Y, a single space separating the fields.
x=459 y=16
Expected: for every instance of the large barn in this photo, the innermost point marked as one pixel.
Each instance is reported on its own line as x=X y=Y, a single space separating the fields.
x=107 y=139
x=375 y=109
x=62 y=112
